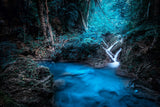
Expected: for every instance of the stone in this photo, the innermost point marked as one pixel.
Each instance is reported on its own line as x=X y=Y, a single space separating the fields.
x=59 y=84
x=27 y=83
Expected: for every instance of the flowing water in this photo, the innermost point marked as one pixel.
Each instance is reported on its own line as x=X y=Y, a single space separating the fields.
x=113 y=57
x=79 y=85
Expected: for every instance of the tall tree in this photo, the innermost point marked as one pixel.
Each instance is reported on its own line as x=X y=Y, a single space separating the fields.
x=49 y=28
x=44 y=19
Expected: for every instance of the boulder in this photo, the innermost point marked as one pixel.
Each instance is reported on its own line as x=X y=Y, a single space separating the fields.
x=140 y=58
x=87 y=50
x=27 y=84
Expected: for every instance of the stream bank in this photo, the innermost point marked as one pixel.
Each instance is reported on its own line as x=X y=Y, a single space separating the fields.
x=140 y=56
x=24 y=83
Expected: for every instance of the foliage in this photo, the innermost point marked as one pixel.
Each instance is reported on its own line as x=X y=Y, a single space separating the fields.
x=135 y=12
x=106 y=18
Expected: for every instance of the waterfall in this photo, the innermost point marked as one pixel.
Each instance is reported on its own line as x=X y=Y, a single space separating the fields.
x=116 y=55
x=109 y=49
x=113 y=57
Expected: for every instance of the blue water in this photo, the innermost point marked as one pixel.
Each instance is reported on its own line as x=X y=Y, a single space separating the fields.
x=79 y=85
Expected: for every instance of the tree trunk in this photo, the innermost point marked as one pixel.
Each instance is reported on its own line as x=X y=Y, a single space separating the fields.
x=49 y=28
x=88 y=12
x=42 y=17
x=83 y=21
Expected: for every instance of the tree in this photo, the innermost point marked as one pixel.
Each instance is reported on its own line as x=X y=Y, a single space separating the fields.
x=44 y=19
x=48 y=24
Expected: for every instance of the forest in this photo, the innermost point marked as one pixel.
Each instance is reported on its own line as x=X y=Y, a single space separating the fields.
x=79 y=53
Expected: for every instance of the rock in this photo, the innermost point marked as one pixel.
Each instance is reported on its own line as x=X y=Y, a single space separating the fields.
x=88 y=50
x=98 y=63
x=27 y=83
x=131 y=101
x=125 y=73
x=85 y=50
x=41 y=74
x=79 y=52
x=59 y=84
x=140 y=57
x=107 y=94
x=110 y=38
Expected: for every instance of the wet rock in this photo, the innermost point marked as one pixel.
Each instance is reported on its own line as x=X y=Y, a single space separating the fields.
x=107 y=94
x=131 y=101
x=124 y=73
x=27 y=83
x=86 y=50
x=140 y=57
x=59 y=84
x=110 y=38
x=79 y=52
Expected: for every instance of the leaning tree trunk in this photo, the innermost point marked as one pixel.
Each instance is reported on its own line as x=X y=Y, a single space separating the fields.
x=42 y=17
x=88 y=7
x=49 y=28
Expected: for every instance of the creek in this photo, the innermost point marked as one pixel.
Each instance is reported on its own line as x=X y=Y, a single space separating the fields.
x=79 y=85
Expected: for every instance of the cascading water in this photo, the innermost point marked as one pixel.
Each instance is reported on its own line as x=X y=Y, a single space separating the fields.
x=113 y=57
x=115 y=64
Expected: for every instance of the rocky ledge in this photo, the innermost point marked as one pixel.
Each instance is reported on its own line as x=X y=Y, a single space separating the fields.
x=26 y=84
x=87 y=50
x=140 y=57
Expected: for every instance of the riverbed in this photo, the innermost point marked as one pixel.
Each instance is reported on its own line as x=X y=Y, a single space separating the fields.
x=79 y=85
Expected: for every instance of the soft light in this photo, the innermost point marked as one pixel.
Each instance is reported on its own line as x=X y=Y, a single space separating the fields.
x=114 y=64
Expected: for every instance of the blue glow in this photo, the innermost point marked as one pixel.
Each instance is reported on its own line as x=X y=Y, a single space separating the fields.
x=114 y=64
x=82 y=86
x=106 y=18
